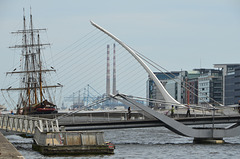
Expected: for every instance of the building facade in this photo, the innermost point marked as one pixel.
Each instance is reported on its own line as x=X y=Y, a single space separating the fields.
x=232 y=87
x=227 y=69
x=197 y=87
x=192 y=87
x=210 y=87
x=201 y=86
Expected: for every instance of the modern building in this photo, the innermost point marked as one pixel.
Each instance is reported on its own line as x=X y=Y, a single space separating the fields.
x=210 y=87
x=232 y=87
x=201 y=86
x=227 y=69
x=197 y=87
x=192 y=87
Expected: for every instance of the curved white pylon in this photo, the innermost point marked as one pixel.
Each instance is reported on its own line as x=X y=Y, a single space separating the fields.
x=167 y=97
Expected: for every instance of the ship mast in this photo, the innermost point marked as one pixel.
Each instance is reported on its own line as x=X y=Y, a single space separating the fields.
x=33 y=57
x=31 y=84
x=40 y=70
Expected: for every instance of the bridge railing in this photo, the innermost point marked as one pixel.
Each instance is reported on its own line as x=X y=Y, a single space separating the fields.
x=26 y=124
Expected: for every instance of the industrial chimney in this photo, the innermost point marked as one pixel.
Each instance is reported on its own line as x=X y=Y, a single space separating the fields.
x=108 y=72
x=114 y=70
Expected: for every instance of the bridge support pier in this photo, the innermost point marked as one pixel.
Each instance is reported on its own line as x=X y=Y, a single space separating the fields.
x=208 y=141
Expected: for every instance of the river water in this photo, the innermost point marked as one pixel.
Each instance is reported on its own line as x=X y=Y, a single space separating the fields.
x=139 y=143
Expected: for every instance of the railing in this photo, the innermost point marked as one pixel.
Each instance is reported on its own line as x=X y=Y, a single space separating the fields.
x=26 y=124
x=93 y=117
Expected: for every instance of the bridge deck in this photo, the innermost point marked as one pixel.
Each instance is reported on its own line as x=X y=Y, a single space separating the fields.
x=7 y=150
x=79 y=124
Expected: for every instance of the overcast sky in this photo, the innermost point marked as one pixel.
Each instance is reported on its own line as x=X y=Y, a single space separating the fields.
x=177 y=34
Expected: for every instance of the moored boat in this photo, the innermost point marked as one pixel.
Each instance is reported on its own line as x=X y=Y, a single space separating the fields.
x=35 y=96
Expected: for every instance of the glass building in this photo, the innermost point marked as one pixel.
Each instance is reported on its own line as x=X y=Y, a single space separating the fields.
x=232 y=87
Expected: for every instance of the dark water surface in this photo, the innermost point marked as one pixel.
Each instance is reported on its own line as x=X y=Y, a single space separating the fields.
x=146 y=143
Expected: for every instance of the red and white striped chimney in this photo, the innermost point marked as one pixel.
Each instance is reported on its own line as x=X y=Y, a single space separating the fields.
x=108 y=72
x=114 y=70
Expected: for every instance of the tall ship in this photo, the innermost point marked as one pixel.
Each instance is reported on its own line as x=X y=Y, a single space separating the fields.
x=34 y=96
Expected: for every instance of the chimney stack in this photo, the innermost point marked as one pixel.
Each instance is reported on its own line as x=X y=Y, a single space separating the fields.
x=108 y=72
x=114 y=70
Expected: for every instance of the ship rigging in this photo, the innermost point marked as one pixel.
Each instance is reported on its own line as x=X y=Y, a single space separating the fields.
x=34 y=96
